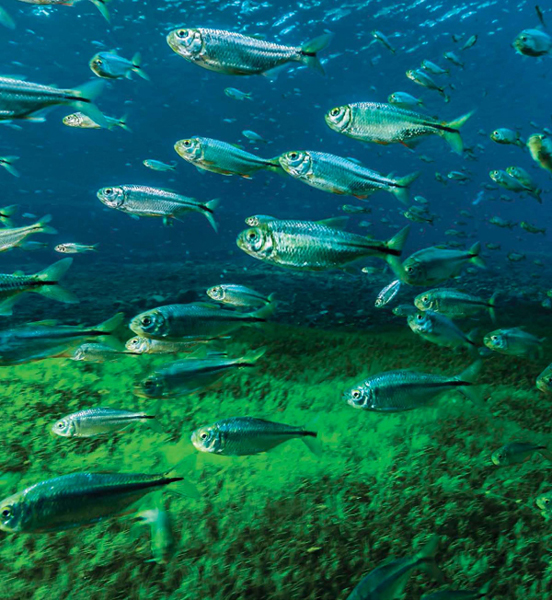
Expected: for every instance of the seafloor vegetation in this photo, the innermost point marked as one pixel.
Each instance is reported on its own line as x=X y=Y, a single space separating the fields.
x=288 y=525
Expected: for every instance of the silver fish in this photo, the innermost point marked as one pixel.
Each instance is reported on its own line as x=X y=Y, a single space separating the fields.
x=101 y=421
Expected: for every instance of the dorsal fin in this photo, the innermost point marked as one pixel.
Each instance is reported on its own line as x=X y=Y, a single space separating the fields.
x=335 y=222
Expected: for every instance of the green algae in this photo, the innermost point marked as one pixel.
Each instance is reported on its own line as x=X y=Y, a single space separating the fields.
x=287 y=524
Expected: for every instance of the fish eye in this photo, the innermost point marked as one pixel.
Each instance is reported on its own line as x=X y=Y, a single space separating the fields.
x=149 y=383
x=251 y=235
x=293 y=155
x=182 y=33
x=523 y=38
x=98 y=62
x=146 y=321
x=60 y=425
x=425 y=299
x=355 y=394
x=108 y=191
x=6 y=512
x=410 y=269
x=334 y=112
x=187 y=143
x=203 y=436
x=494 y=338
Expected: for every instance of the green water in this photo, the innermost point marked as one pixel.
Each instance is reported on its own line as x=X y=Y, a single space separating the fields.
x=288 y=524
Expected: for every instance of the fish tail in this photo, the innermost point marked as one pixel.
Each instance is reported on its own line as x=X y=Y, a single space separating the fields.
x=6 y=213
x=153 y=423
x=474 y=256
x=50 y=277
x=452 y=135
x=312 y=47
x=251 y=357
x=83 y=101
x=136 y=63
x=6 y=162
x=402 y=192
x=521 y=143
x=492 y=306
x=178 y=474
x=101 y=6
x=122 y=123
x=43 y=227
x=261 y=315
x=208 y=211
x=395 y=245
x=6 y=20
x=109 y=326
x=6 y=306
x=468 y=378
x=426 y=559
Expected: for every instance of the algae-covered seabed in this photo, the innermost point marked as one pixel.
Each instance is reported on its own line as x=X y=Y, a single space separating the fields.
x=288 y=525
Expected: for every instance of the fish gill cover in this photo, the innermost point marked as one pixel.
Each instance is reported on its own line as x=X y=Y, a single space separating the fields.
x=312 y=358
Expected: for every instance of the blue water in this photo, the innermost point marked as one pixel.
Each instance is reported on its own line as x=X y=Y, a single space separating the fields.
x=62 y=168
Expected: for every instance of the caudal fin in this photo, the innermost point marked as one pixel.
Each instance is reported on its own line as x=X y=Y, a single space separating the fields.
x=474 y=256
x=402 y=192
x=426 y=559
x=311 y=48
x=262 y=315
x=397 y=243
x=180 y=472
x=6 y=20
x=469 y=377
x=209 y=209
x=492 y=305
x=7 y=163
x=6 y=213
x=43 y=227
x=451 y=134
x=136 y=63
x=250 y=358
x=101 y=6
x=84 y=96
x=50 y=278
x=109 y=326
x=122 y=123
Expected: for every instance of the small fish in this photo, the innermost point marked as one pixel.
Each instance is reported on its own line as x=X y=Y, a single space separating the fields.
x=387 y=124
x=198 y=320
x=531 y=228
x=403 y=310
x=544 y=380
x=73 y=248
x=516 y=257
x=238 y=296
x=451 y=57
x=246 y=436
x=237 y=54
x=237 y=95
x=540 y=148
x=533 y=42
x=435 y=265
x=434 y=69
x=82 y=121
x=254 y=137
x=516 y=453
x=110 y=65
x=398 y=391
x=97 y=353
x=423 y=79
x=7 y=163
x=507 y=136
x=506 y=181
x=157 y=165
x=389 y=579
x=315 y=246
x=45 y=282
x=380 y=37
x=524 y=178
x=10 y=238
x=163 y=544
x=438 y=329
x=514 y=342
x=544 y=502
x=388 y=293
x=458 y=176
x=222 y=158
x=81 y=499
x=101 y=5
x=94 y=422
x=499 y=222
x=404 y=100
x=337 y=175
x=47 y=339
x=470 y=42
x=454 y=303
x=449 y=594
x=145 y=201
x=191 y=375
x=142 y=345
x=356 y=210
x=21 y=99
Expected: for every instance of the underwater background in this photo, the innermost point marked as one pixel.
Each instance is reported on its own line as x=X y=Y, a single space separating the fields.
x=284 y=524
